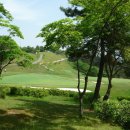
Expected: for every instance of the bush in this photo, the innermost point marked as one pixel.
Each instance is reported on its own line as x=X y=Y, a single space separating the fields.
x=20 y=91
x=57 y=92
x=4 y=91
x=87 y=99
x=120 y=98
x=114 y=111
x=93 y=71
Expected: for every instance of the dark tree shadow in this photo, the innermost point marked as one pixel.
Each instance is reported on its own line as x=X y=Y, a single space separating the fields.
x=41 y=115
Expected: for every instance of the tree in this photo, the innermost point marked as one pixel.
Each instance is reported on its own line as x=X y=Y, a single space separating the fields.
x=117 y=39
x=94 y=17
x=78 y=54
x=5 y=22
x=9 y=51
x=64 y=34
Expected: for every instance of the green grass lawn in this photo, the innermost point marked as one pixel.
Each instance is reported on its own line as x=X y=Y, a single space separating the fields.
x=49 y=113
x=121 y=87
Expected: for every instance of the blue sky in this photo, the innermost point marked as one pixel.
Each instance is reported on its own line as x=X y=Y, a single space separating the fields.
x=32 y=15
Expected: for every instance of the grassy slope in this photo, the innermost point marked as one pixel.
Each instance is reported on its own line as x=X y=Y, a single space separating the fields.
x=50 y=113
x=63 y=76
x=62 y=68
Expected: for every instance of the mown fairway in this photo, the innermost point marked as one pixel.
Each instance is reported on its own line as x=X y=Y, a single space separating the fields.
x=121 y=87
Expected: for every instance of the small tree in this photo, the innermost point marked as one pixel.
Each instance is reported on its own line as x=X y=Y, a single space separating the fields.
x=9 y=50
x=65 y=34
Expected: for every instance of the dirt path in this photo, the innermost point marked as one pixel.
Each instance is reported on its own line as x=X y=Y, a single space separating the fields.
x=38 y=60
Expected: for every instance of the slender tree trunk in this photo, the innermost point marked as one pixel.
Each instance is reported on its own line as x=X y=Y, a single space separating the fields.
x=0 y=73
x=100 y=74
x=81 y=106
x=107 y=95
x=81 y=94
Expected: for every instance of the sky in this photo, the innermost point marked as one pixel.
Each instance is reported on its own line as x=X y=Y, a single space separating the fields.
x=32 y=15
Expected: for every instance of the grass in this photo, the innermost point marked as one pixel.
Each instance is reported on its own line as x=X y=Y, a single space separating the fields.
x=121 y=87
x=63 y=68
x=49 y=113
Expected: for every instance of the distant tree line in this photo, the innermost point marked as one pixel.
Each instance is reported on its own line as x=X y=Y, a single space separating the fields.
x=30 y=49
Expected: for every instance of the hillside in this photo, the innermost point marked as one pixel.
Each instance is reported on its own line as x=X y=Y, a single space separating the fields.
x=45 y=63
x=54 y=71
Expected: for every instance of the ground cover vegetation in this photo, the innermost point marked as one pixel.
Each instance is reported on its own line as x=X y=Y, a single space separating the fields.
x=25 y=109
x=96 y=42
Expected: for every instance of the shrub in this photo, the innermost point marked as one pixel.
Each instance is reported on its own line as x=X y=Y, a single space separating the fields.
x=20 y=91
x=120 y=98
x=57 y=92
x=26 y=91
x=114 y=111
x=4 y=91
x=87 y=99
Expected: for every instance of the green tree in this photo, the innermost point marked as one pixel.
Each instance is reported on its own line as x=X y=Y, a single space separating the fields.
x=64 y=34
x=94 y=18
x=8 y=52
x=5 y=22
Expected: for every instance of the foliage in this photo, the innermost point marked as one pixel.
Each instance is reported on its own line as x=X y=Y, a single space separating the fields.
x=84 y=66
x=106 y=25
x=87 y=99
x=9 y=51
x=114 y=111
x=4 y=13
x=25 y=60
x=5 y=19
x=36 y=49
x=60 y=34
x=4 y=91
x=57 y=92
x=41 y=92
x=120 y=98
x=20 y=91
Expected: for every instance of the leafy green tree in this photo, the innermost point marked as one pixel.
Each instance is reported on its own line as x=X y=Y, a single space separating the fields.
x=117 y=39
x=94 y=18
x=64 y=34
x=9 y=49
x=5 y=22
x=8 y=52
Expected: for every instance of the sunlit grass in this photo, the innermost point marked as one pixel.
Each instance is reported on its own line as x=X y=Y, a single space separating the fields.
x=49 y=113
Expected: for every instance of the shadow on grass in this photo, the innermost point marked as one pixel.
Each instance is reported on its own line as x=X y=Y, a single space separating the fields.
x=41 y=115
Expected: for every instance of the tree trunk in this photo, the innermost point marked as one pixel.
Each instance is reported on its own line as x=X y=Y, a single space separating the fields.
x=81 y=106
x=100 y=74
x=107 y=95
x=0 y=72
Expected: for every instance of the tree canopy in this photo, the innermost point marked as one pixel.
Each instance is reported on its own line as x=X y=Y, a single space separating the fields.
x=5 y=22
